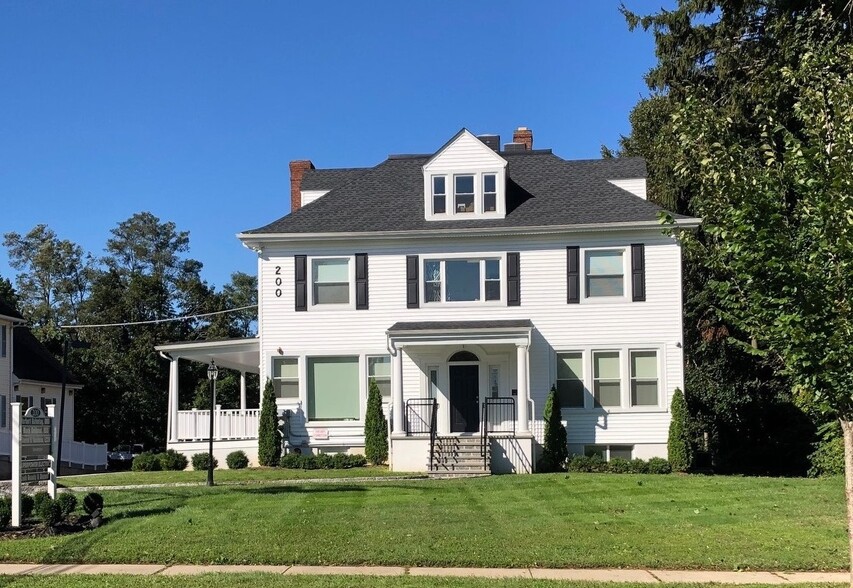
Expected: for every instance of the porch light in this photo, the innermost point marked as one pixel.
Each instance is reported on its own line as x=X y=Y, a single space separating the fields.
x=212 y=374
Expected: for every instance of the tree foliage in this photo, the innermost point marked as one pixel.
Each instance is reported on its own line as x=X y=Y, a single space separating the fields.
x=375 y=427
x=555 y=449
x=269 y=436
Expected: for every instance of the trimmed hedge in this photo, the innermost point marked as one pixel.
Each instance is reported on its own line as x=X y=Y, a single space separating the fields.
x=67 y=502
x=146 y=462
x=50 y=512
x=323 y=461
x=171 y=460
x=617 y=465
x=38 y=498
x=5 y=511
x=237 y=460
x=202 y=460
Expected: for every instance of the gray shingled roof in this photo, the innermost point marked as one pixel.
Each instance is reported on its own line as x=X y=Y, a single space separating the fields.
x=7 y=310
x=33 y=362
x=460 y=325
x=329 y=179
x=542 y=190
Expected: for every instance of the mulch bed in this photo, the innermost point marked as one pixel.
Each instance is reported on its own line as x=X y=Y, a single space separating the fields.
x=30 y=529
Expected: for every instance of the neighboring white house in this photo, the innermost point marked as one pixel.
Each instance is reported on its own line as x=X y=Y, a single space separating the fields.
x=466 y=283
x=31 y=375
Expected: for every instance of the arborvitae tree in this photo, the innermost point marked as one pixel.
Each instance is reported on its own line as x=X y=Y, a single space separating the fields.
x=555 y=451
x=679 y=447
x=375 y=427
x=269 y=437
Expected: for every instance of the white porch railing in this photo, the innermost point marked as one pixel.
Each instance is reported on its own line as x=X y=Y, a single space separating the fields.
x=194 y=425
x=87 y=454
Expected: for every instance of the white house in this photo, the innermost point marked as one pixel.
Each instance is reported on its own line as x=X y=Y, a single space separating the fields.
x=31 y=375
x=466 y=282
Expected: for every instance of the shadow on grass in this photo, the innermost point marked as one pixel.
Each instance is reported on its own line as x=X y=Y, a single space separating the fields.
x=299 y=489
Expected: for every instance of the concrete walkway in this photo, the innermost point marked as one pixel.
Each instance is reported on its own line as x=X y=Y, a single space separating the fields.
x=599 y=575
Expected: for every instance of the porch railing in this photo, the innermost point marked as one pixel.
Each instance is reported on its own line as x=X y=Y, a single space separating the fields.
x=194 y=425
x=419 y=416
x=498 y=417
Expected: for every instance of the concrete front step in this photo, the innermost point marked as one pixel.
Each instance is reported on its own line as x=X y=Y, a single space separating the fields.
x=459 y=474
x=459 y=457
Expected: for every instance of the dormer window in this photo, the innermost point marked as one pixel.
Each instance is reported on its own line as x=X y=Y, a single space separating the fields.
x=464 y=193
x=439 y=195
x=490 y=193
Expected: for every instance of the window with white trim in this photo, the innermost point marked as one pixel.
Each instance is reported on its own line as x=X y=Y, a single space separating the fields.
x=285 y=377
x=607 y=378
x=462 y=280
x=330 y=281
x=379 y=371
x=333 y=389
x=608 y=452
x=605 y=273
x=494 y=381
x=432 y=384
x=439 y=194
x=3 y=342
x=570 y=379
x=644 y=378
x=463 y=193
x=490 y=193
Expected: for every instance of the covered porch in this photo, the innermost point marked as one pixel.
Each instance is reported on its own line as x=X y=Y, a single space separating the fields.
x=192 y=427
x=461 y=396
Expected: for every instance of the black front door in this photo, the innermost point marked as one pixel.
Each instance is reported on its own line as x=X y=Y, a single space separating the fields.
x=464 y=399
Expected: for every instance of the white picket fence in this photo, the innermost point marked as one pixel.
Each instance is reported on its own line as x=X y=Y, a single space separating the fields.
x=76 y=452
x=194 y=425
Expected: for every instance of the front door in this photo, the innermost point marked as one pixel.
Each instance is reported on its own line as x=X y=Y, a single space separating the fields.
x=464 y=398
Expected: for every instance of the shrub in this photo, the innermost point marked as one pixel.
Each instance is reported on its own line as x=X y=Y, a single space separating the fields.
x=5 y=511
x=237 y=460
x=638 y=466
x=92 y=502
x=50 y=512
x=375 y=427
x=173 y=461
x=679 y=447
x=323 y=461
x=356 y=460
x=618 y=465
x=269 y=437
x=146 y=462
x=26 y=506
x=658 y=465
x=587 y=463
x=555 y=450
x=828 y=457
x=201 y=461
x=289 y=461
x=67 y=502
x=38 y=499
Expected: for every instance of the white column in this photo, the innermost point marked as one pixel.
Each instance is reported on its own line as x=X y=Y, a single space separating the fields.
x=16 y=464
x=397 y=392
x=523 y=398
x=53 y=470
x=242 y=390
x=173 y=400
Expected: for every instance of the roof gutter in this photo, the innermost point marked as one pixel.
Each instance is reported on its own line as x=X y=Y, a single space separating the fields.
x=255 y=239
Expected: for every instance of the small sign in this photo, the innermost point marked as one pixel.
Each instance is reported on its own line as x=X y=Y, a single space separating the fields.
x=321 y=434
x=33 y=477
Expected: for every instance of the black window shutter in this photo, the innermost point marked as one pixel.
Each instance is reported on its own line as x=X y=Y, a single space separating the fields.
x=573 y=275
x=301 y=281
x=638 y=272
x=412 y=280
x=361 y=281
x=513 y=280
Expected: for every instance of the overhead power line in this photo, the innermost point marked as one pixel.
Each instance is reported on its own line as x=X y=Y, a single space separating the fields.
x=158 y=321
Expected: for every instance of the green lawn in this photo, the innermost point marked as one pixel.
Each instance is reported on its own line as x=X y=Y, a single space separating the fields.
x=269 y=580
x=583 y=520
x=231 y=476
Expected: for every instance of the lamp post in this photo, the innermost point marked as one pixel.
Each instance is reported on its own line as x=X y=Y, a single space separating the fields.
x=212 y=374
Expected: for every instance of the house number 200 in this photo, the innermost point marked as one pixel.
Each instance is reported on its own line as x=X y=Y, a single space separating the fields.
x=278 y=281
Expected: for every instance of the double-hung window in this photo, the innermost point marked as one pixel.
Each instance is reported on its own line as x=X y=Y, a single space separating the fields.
x=330 y=280
x=285 y=377
x=379 y=371
x=490 y=193
x=607 y=378
x=333 y=389
x=605 y=273
x=463 y=192
x=644 y=378
x=439 y=195
x=462 y=280
x=570 y=379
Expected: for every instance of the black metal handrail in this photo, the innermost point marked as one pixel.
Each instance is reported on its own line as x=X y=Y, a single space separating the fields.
x=419 y=416
x=433 y=432
x=503 y=408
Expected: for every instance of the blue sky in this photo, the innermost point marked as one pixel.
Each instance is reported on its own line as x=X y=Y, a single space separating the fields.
x=192 y=110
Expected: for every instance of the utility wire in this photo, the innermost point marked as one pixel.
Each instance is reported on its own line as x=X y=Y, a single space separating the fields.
x=157 y=321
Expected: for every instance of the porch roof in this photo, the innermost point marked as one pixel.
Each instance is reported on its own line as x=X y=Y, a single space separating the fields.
x=443 y=332
x=238 y=354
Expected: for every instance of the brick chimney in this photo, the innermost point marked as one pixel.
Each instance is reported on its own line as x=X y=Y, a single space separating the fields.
x=297 y=170
x=524 y=136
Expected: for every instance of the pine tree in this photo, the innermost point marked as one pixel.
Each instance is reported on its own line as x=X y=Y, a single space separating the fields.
x=269 y=437
x=679 y=449
x=555 y=451
x=375 y=427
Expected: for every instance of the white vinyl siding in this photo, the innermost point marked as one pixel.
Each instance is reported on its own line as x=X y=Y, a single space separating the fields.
x=379 y=370
x=333 y=389
x=285 y=378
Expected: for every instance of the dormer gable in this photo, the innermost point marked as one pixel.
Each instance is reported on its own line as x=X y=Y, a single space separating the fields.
x=464 y=180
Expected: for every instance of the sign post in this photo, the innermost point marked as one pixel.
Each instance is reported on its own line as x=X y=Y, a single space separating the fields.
x=53 y=468
x=32 y=446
